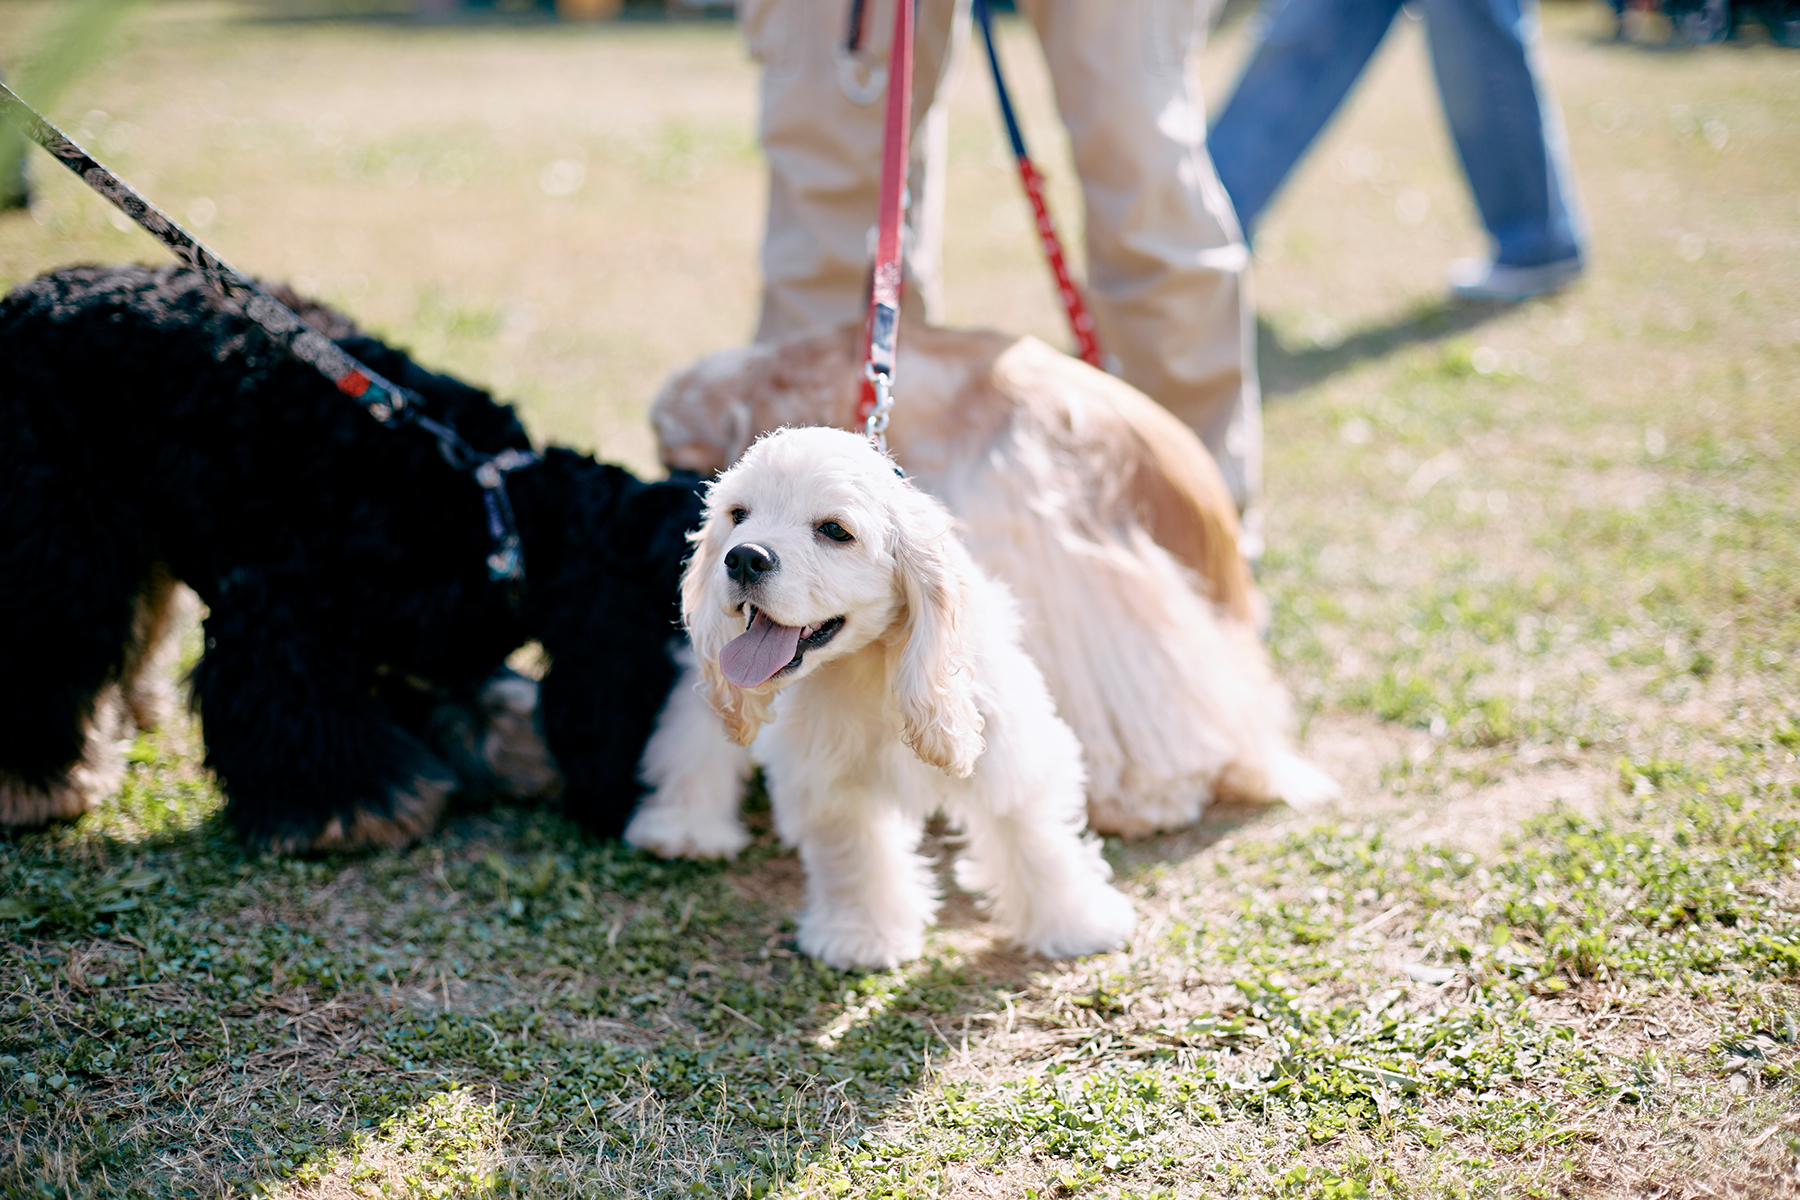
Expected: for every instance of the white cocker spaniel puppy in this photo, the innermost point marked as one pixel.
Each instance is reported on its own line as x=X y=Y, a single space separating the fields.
x=839 y=622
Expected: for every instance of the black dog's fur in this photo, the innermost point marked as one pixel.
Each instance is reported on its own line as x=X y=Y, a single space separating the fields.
x=148 y=434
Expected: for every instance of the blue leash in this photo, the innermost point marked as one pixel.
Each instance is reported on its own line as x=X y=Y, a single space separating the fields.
x=1081 y=323
x=986 y=18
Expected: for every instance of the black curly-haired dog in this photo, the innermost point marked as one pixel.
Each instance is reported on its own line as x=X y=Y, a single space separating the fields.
x=149 y=435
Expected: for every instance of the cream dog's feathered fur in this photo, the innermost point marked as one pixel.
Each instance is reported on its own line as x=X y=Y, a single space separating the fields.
x=1104 y=515
x=839 y=622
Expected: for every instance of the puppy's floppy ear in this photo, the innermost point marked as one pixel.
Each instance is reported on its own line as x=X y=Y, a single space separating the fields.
x=930 y=667
x=710 y=625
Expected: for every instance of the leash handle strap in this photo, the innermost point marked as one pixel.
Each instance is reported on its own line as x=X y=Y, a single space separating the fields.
x=883 y=332
x=387 y=403
x=1081 y=323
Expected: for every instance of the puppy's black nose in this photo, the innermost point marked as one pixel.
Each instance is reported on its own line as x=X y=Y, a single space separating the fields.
x=749 y=562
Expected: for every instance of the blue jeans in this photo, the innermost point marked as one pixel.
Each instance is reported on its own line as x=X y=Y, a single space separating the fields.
x=1507 y=128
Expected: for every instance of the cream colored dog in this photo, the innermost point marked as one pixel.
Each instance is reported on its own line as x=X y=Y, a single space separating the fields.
x=839 y=622
x=1104 y=515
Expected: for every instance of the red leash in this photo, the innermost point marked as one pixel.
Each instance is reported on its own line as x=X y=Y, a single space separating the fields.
x=883 y=332
x=1086 y=340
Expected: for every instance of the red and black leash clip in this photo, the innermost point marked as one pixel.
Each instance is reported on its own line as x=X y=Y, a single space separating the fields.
x=1087 y=340
x=388 y=403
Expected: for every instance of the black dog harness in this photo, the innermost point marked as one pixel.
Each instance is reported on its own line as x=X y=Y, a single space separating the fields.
x=388 y=403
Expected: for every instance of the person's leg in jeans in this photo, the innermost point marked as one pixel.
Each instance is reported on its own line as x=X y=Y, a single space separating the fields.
x=1310 y=55
x=1168 y=272
x=1507 y=128
x=824 y=155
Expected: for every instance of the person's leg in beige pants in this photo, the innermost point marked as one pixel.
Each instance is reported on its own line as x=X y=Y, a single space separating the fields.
x=1168 y=273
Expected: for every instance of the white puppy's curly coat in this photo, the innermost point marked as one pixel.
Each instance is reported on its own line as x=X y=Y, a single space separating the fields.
x=834 y=610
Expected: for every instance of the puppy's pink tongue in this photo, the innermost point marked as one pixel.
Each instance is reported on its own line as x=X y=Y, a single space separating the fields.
x=750 y=658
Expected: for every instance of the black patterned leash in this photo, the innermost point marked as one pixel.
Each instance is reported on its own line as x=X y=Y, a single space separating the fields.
x=388 y=403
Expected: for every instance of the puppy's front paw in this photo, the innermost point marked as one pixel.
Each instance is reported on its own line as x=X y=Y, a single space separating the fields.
x=845 y=940
x=677 y=832
x=1096 y=920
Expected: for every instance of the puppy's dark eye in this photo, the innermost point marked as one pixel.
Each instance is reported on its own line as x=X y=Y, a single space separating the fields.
x=739 y=515
x=835 y=532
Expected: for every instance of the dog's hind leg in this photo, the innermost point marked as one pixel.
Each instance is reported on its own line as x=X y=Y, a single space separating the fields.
x=512 y=743
x=310 y=761
x=696 y=778
x=147 y=678
x=491 y=739
x=1027 y=856
x=69 y=569
x=77 y=786
x=1045 y=881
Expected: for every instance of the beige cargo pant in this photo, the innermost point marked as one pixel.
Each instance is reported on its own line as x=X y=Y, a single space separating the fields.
x=1168 y=272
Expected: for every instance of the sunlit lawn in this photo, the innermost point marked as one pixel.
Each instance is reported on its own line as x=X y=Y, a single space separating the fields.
x=1536 y=583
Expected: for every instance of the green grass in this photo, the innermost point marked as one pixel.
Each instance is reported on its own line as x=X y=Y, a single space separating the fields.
x=1535 y=574
x=1310 y=1050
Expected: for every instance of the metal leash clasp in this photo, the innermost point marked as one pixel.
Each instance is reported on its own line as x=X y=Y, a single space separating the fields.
x=507 y=561
x=876 y=423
